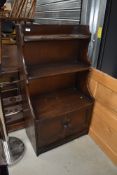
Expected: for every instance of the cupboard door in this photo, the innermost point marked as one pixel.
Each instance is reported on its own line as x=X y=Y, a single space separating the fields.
x=76 y=121
x=50 y=131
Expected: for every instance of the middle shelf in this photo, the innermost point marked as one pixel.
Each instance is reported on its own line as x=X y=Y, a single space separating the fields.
x=40 y=71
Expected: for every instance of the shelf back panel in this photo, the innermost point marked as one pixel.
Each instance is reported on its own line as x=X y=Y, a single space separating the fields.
x=50 y=84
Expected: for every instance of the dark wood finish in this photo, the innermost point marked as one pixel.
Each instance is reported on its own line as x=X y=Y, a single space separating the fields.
x=55 y=69
x=54 y=72
x=58 y=103
x=55 y=29
x=56 y=51
x=62 y=126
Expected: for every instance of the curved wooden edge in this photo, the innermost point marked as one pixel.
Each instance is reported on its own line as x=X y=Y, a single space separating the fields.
x=58 y=28
x=23 y=72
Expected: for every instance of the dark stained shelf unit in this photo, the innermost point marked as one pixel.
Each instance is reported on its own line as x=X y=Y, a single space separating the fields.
x=54 y=70
x=41 y=71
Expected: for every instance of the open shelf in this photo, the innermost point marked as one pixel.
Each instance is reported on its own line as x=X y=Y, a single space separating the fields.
x=59 y=103
x=40 y=71
x=54 y=37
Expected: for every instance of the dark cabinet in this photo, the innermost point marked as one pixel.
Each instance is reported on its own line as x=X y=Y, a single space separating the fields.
x=54 y=72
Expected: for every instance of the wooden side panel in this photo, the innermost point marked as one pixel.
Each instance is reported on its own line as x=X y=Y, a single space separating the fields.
x=104 y=122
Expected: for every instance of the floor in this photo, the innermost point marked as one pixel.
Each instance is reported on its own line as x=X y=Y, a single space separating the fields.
x=79 y=157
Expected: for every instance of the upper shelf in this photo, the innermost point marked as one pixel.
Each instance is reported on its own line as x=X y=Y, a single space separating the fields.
x=40 y=71
x=52 y=44
x=55 y=37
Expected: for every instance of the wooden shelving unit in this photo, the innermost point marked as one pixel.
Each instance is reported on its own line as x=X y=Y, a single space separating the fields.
x=54 y=72
x=41 y=71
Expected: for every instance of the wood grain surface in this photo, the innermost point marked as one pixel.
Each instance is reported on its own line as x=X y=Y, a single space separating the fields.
x=104 y=121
